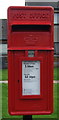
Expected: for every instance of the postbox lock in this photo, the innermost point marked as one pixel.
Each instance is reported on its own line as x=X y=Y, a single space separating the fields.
x=31 y=53
x=18 y=81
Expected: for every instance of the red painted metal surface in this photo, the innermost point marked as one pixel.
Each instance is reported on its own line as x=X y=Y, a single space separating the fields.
x=30 y=28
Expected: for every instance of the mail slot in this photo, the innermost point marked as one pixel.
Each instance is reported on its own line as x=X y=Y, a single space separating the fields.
x=30 y=60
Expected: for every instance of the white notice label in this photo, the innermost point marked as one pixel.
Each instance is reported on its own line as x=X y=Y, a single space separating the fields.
x=31 y=78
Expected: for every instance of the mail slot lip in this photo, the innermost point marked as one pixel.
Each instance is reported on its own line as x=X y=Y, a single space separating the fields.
x=30 y=23
x=41 y=68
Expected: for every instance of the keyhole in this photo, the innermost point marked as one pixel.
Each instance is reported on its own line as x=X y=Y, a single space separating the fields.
x=18 y=81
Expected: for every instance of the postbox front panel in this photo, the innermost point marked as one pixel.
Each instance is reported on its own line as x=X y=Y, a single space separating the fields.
x=30 y=60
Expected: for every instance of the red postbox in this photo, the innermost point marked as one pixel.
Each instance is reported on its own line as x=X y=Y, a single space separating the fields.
x=30 y=60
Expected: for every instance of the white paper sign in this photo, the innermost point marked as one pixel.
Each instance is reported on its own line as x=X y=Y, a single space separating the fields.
x=31 y=78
